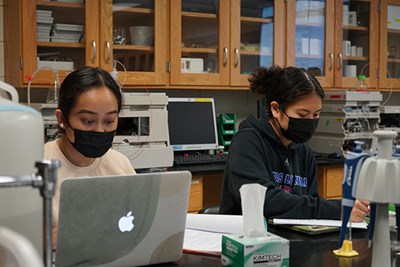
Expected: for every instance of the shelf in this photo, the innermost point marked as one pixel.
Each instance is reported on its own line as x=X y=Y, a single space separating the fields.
x=316 y=25
x=59 y=4
x=199 y=15
x=310 y=56
x=393 y=60
x=257 y=20
x=59 y=44
x=132 y=9
x=355 y=28
x=355 y=58
x=134 y=47
x=393 y=31
x=255 y=53
x=199 y=50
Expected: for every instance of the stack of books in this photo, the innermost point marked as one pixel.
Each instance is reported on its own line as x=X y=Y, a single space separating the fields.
x=69 y=33
x=44 y=21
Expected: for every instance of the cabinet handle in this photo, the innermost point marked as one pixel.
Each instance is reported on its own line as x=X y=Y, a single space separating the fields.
x=94 y=52
x=225 y=62
x=236 y=57
x=331 y=57
x=108 y=52
x=340 y=61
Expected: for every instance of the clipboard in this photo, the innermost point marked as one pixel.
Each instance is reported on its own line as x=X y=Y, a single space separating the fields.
x=311 y=229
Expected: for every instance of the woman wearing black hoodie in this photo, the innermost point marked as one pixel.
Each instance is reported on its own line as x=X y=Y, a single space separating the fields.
x=273 y=151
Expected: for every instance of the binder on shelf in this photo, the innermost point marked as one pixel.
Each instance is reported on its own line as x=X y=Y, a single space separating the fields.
x=226 y=129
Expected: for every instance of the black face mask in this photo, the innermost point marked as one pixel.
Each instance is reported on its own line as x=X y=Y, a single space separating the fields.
x=300 y=130
x=92 y=144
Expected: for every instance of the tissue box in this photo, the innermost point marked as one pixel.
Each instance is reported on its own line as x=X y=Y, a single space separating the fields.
x=269 y=251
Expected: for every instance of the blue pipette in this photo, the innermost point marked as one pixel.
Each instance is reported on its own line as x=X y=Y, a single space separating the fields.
x=352 y=166
x=371 y=225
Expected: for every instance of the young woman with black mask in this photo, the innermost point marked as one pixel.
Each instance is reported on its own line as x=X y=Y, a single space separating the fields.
x=273 y=151
x=87 y=115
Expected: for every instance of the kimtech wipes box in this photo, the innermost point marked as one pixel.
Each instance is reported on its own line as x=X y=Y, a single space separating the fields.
x=268 y=251
x=256 y=247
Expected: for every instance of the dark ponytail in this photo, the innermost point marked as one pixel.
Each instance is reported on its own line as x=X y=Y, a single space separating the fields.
x=283 y=85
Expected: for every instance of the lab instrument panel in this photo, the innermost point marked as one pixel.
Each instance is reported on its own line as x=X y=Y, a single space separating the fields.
x=142 y=134
x=346 y=117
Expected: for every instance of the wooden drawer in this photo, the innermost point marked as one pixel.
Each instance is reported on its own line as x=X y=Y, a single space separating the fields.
x=196 y=194
x=330 y=181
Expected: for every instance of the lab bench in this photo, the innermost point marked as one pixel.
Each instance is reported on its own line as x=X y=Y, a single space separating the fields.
x=207 y=181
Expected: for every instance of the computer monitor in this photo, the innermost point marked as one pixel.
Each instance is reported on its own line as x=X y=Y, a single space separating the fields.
x=192 y=124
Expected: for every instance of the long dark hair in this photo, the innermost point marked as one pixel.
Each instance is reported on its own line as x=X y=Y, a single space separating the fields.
x=82 y=80
x=283 y=85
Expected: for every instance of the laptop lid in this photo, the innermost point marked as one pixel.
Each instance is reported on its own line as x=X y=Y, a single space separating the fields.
x=127 y=220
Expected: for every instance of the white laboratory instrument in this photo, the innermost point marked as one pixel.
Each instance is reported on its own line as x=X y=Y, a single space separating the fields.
x=379 y=183
x=346 y=117
x=142 y=133
x=21 y=154
x=21 y=131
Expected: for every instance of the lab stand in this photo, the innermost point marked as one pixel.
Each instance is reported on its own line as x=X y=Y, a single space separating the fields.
x=45 y=180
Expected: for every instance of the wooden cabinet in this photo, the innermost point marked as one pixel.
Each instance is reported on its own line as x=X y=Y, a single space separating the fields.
x=389 y=54
x=196 y=194
x=226 y=40
x=205 y=191
x=256 y=37
x=192 y=43
x=330 y=181
x=143 y=60
x=206 y=44
x=325 y=36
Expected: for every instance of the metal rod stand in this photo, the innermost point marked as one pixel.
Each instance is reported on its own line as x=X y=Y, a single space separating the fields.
x=45 y=179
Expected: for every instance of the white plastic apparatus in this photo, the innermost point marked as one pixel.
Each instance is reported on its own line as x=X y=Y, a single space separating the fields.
x=21 y=131
x=379 y=183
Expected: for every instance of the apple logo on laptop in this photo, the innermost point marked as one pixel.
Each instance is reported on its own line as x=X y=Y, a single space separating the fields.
x=125 y=223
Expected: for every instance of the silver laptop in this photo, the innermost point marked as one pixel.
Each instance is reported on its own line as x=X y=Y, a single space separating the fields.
x=127 y=220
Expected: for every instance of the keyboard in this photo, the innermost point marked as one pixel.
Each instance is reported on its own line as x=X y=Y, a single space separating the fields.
x=188 y=159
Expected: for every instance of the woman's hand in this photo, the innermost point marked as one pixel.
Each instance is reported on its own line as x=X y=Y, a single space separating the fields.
x=360 y=210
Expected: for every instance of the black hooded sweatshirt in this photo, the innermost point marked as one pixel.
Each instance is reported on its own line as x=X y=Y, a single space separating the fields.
x=257 y=155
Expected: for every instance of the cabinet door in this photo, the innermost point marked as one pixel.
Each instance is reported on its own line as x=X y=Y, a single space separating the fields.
x=310 y=42
x=55 y=37
x=256 y=37
x=133 y=40
x=199 y=38
x=389 y=76
x=356 y=44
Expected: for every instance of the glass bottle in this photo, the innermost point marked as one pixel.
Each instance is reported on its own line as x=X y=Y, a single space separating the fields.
x=52 y=94
x=361 y=86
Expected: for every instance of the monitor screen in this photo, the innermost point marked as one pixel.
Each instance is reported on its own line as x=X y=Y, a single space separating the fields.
x=192 y=124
